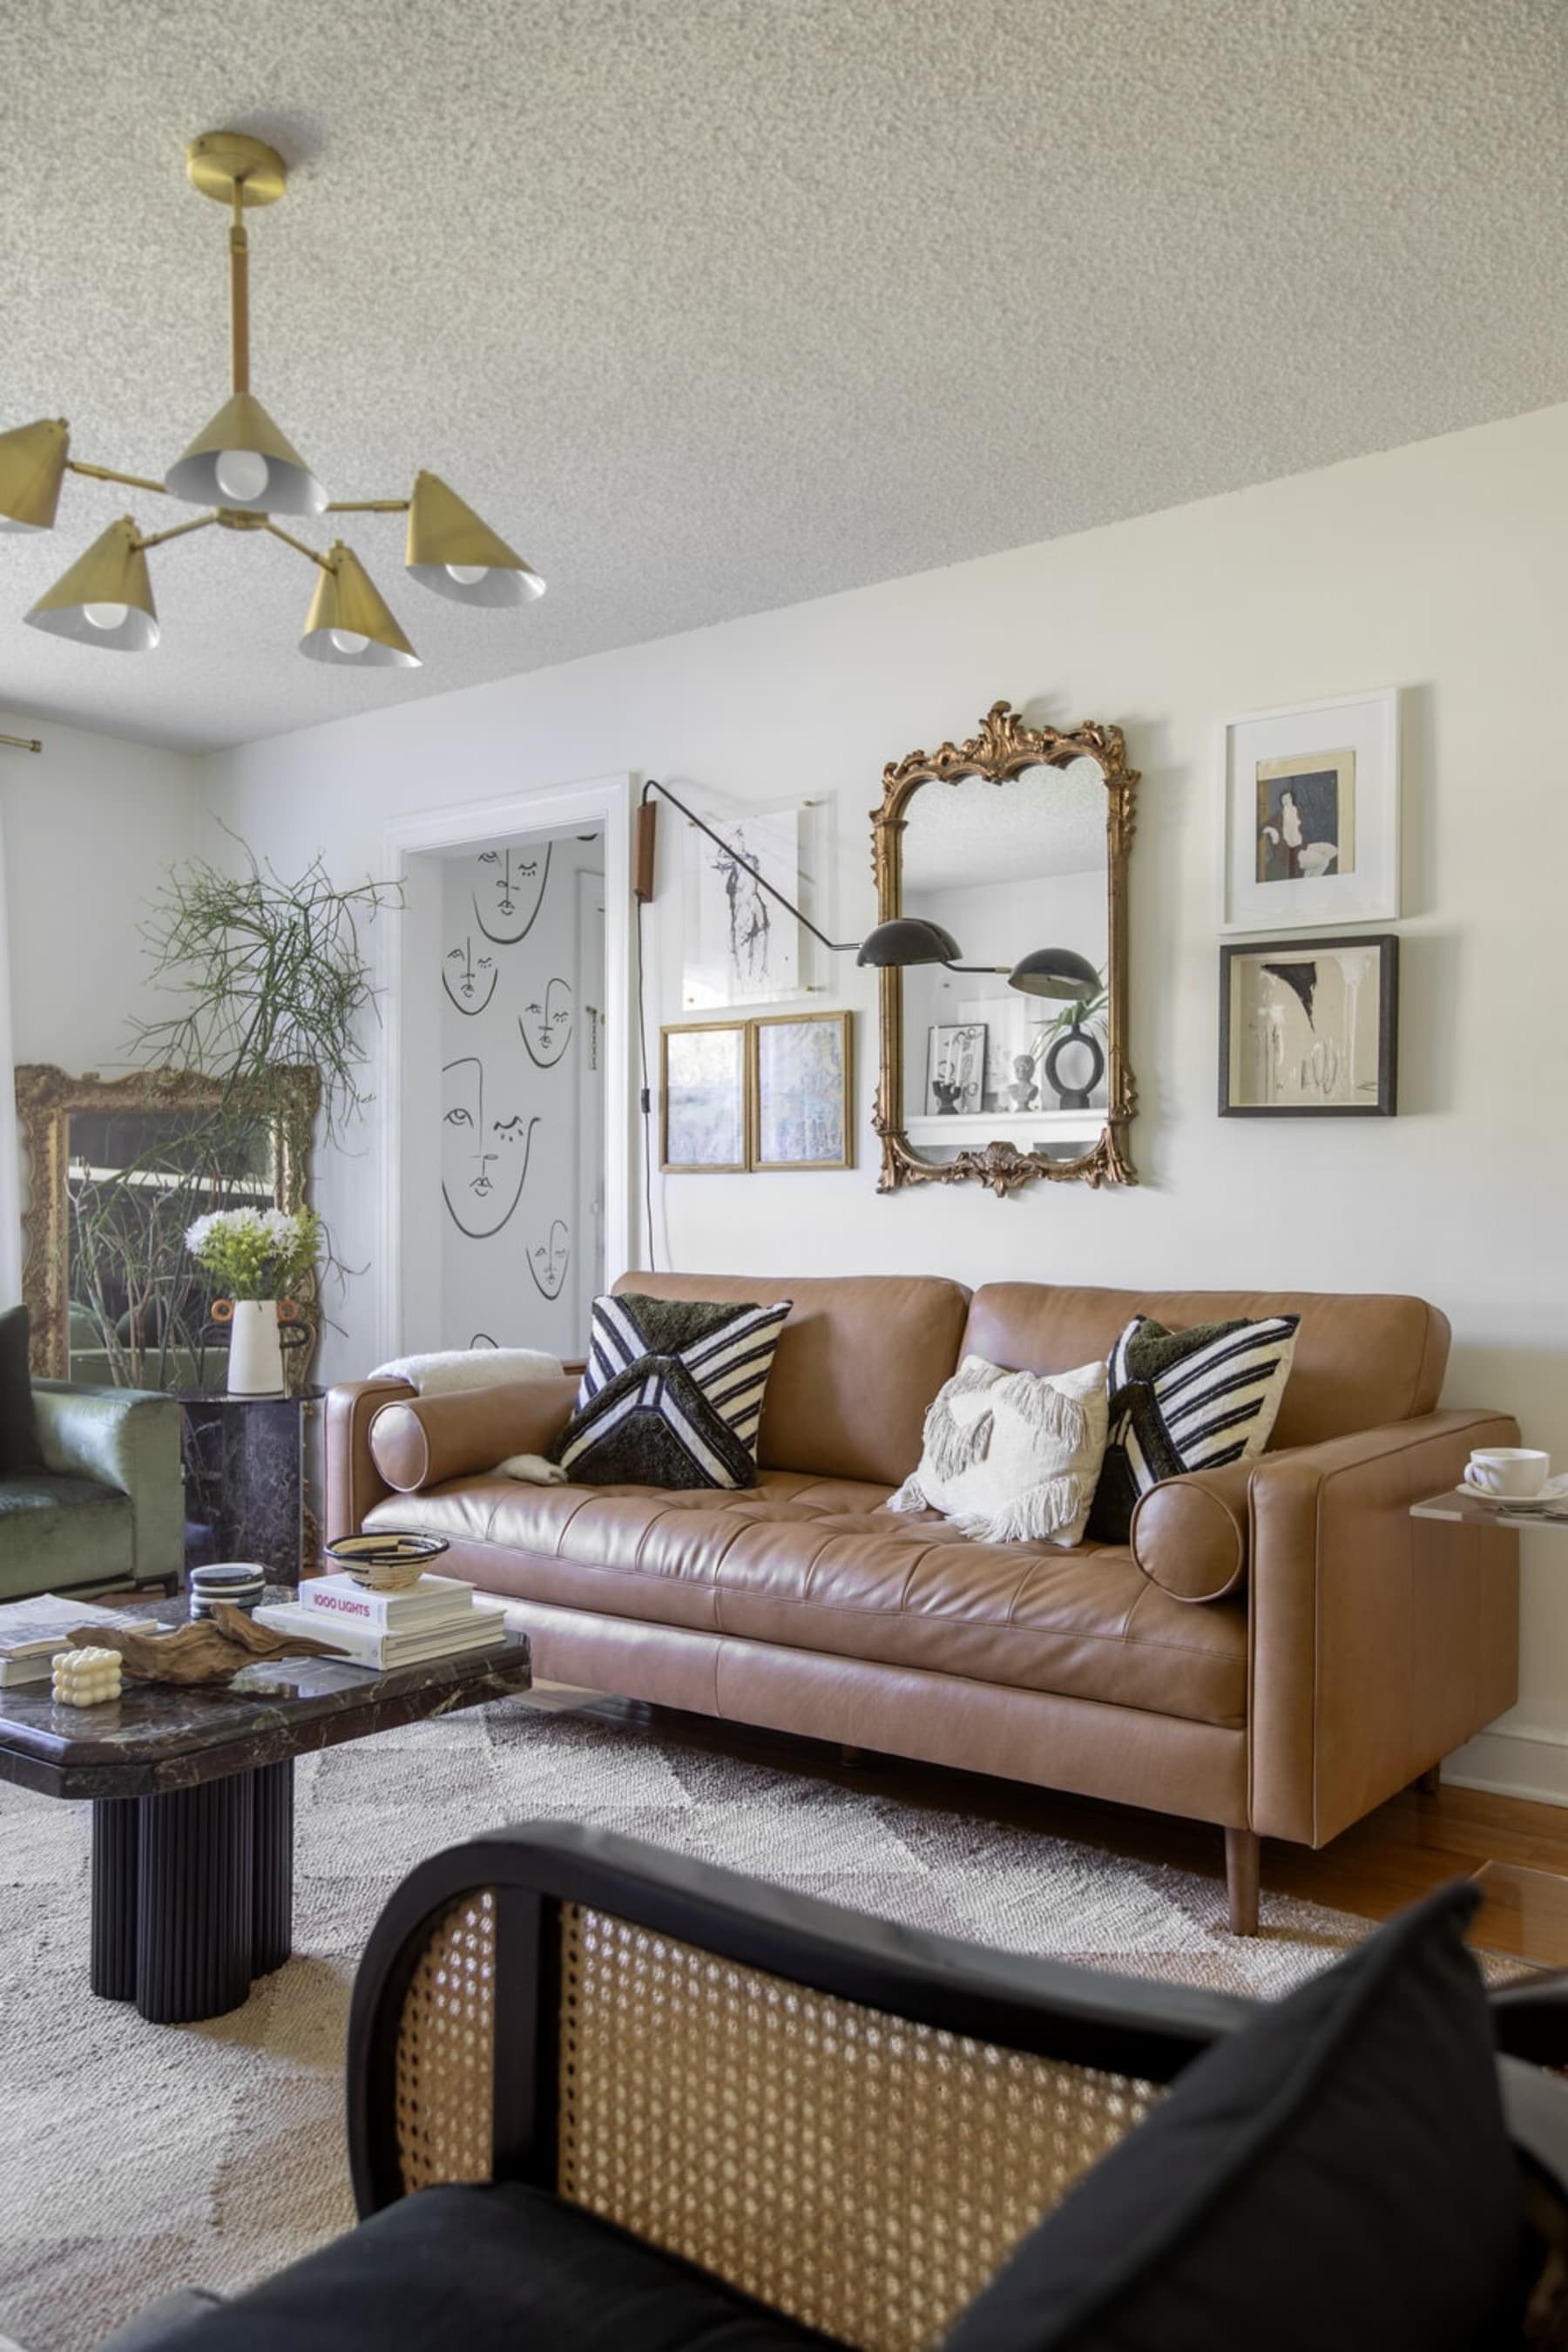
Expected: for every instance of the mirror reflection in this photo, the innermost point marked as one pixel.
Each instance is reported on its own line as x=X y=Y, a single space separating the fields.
x=1017 y=872
x=140 y=1306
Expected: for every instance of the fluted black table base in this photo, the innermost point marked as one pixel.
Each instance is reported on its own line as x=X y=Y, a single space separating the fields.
x=192 y=1790
x=192 y=1892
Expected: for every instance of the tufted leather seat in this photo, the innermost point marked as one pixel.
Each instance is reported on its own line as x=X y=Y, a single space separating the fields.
x=816 y=1564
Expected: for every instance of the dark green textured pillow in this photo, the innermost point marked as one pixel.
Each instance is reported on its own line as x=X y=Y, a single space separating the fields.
x=672 y=1394
x=19 y=1444
x=1184 y=1400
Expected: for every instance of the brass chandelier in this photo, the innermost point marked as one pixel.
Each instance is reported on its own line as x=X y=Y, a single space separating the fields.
x=245 y=471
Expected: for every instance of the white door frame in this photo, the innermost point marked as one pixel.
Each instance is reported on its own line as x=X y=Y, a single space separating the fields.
x=605 y=800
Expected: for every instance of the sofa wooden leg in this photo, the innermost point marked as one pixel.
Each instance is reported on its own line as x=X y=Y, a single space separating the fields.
x=1241 y=1849
x=1427 y=1783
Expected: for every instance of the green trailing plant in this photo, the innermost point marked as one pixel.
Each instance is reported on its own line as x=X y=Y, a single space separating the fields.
x=272 y=972
x=272 y=978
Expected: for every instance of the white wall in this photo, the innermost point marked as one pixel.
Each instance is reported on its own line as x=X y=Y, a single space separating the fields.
x=1438 y=568
x=89 y=828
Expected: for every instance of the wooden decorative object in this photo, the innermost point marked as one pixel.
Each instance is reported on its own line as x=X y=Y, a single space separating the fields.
x=212 y=1650
x=1004 y=748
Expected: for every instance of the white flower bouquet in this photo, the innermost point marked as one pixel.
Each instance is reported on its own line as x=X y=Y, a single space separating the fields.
x=255 y=1253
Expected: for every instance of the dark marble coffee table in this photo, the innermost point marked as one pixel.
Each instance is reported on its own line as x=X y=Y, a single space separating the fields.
x=193 y=1805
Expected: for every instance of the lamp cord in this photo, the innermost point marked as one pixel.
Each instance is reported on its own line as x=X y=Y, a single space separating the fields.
x=645 y=1097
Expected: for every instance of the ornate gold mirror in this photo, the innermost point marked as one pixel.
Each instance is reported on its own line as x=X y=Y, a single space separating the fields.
x=118 y=1170
x=1006 y=1064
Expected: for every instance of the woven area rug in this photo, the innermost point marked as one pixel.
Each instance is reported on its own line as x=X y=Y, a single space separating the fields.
x=136 y=2157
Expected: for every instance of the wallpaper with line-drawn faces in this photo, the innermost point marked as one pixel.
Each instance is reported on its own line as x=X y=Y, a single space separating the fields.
x=520 y=980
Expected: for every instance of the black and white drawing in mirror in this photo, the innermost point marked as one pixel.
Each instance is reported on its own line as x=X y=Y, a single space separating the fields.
x=740 y=947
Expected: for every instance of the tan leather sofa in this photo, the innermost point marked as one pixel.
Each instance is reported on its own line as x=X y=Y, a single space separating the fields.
x=1280 y=1648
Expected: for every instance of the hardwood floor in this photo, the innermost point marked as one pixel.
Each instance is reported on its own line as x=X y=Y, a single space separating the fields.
x=1518 y=1851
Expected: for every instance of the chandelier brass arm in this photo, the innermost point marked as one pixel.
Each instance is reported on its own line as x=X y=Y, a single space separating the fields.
x=298 y=545
x=108 y=474
x=22 y=742
x=245 y=471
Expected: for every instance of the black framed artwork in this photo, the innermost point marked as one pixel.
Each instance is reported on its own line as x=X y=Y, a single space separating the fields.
x=1309 y=1028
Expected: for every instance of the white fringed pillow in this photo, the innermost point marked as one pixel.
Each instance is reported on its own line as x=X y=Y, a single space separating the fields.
x=469 y=1367
x=1012 y=1457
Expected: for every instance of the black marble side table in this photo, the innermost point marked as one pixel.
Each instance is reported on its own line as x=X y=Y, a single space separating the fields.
x=245 y=1480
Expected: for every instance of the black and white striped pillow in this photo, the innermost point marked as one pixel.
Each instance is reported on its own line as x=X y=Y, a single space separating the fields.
x=671 y=1395
x=1186 y=1401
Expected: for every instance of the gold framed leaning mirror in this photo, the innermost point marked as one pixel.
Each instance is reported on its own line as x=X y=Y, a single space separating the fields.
x=118 y=1170
x=1003 y=1037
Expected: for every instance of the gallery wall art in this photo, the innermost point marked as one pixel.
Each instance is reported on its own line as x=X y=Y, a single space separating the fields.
x=774 y=1092
x=1309 y=1028
x=740 y=945
x=1310 y=815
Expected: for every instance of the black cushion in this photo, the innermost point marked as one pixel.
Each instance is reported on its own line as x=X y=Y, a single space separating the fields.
x=501 y=2269
x=19 y=1445
x=1335 y=2178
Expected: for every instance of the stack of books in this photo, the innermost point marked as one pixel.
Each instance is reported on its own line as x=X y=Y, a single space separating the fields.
x=33 y=1633
x=439 y=1617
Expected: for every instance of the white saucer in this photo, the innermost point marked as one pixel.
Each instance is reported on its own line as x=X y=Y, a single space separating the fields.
x=1545 y=1497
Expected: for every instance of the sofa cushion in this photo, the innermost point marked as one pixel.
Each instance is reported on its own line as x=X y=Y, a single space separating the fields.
x=1337 y=2174
x=418 y=1440
x=1191 y=1536
x=672 y=1392
x=57 y=1530
x=497 y=2268
x=819 y=1565
x=859 y=1361
x=1191 y=1400
x=1012 y=1457
x=1361 y=1360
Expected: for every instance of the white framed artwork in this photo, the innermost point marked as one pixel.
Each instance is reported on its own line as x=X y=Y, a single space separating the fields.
x=739 y=945
x=1310 y=815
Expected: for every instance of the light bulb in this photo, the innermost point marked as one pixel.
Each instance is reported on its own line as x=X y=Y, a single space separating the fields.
x=467 y=576
x=241 y=473
x=532 y=584
x=348 y=641
x=105 y=616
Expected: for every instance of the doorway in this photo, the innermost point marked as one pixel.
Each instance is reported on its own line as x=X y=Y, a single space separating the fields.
x=507 y=1131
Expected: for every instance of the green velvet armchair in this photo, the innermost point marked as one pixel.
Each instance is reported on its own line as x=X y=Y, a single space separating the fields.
x=108 y=1506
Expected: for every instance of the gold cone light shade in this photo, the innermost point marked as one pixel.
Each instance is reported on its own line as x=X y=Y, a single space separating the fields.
x=32 y=467
x=106 y=597
x=349 y=624
x=445 y=537
x=243 y=428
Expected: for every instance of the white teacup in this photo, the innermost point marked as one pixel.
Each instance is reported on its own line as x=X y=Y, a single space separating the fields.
x=1517 y=1470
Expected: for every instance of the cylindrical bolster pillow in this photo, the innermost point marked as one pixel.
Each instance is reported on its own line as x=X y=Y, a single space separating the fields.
x=423 y=1440
x=1189 y=1535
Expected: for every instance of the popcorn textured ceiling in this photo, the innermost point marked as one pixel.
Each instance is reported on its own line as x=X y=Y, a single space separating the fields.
x=711 y=306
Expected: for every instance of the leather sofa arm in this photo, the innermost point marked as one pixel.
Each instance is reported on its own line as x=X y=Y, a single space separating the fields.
x=1378 y=1642
x=354 y=1485
x=1190 y=1535
x=417 y=1441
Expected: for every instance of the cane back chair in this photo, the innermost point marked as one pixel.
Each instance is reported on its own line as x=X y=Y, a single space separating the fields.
x=852 y=2121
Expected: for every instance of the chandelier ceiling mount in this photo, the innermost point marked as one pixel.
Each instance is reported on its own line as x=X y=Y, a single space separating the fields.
x=244 y=470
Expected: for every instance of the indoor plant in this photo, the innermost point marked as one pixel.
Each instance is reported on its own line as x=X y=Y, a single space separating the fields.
x=258 y=1254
